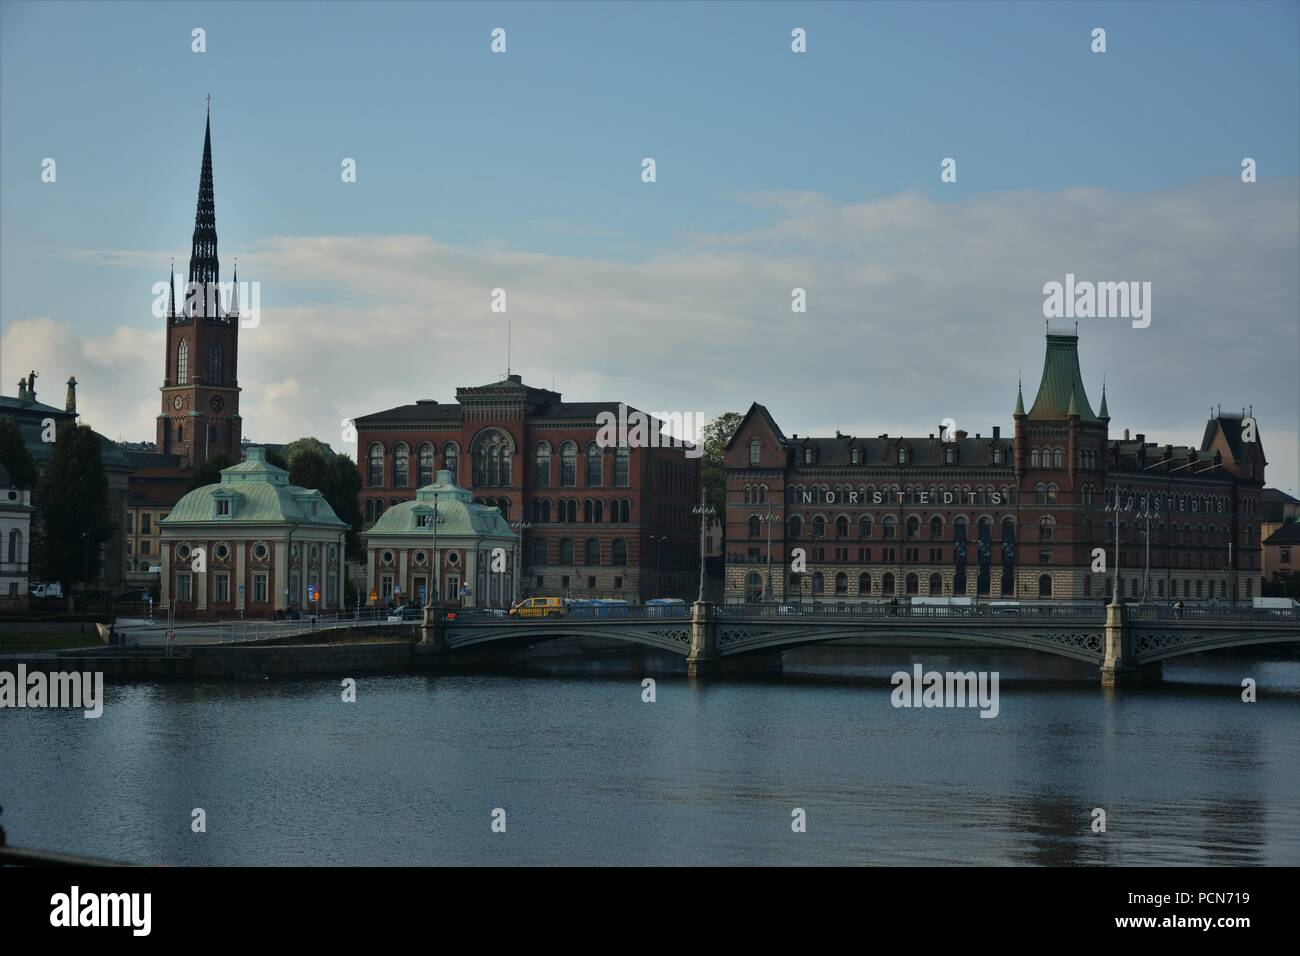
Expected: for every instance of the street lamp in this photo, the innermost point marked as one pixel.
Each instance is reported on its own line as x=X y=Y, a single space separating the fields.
x=1114 y=598
x=705 y=511
x=812 y=578
x=520 y=527
x=768 y=519
x=659 y=548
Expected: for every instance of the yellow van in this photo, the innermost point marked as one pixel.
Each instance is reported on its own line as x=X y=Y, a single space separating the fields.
x=540 y=607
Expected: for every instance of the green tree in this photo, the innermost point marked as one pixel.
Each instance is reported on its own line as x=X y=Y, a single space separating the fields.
x=713 y=463
x=276 y=458
x=342 y=489
x=309 y=469
x=15 y=456
x=306 y=444
x=72 y=507
x=209 y=473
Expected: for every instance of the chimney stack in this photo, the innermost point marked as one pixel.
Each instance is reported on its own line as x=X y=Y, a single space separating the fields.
x=70 y=403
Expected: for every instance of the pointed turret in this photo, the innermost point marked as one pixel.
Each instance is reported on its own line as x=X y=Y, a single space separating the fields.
x=171 y=290
x=1061 y=380
x=205 y=268
x=1020 y=399
x=1104 y=412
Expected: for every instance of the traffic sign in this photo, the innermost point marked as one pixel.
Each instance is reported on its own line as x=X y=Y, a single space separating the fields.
x=374 y=595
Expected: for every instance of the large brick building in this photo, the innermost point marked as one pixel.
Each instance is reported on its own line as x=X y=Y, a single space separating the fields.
x=596 y=521
x=1014 y=516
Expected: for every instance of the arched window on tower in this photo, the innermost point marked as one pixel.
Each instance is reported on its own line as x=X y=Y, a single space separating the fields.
x=375 y=467
x=595 y=459
x=216 y=364
x=425 y=464
x=183 y=363
x=401 y=465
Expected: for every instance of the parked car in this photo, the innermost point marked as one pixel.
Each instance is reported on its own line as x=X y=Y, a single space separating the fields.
x=403 y=613
x=52 y=590
x=541 y=607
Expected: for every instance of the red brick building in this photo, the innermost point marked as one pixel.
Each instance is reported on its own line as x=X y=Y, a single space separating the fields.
x=1015 y=517
x=596 y=521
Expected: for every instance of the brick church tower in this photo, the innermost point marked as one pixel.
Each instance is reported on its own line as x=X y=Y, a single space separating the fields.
x=200 y=389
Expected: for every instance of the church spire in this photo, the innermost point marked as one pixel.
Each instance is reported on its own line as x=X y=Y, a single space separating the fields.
x=204 y=266
x=171 y=290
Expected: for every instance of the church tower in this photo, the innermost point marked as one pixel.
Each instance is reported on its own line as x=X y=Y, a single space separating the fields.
x=200 y=389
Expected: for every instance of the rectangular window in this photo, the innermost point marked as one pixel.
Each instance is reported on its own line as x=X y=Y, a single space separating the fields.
x=912 y=555
x=293 y=587
x=541 y=580
x=130 y=522
x=1286 y=556
x=221 y=589
x=184 y=590
x=618 y=584
x=564 y=582
x=332 y=584
x=144 y=524
x=1044 y=557
x=864 y=555
x=385 y=587
x=223 y=508
x=130 y=545
x=259 y=588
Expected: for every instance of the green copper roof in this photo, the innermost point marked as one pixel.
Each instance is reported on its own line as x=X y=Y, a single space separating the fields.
x=1061 y=377
x=455 y=514
x=258 y=493
x=1020 y=401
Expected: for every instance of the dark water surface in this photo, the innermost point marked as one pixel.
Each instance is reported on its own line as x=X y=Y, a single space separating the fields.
x=589 y=774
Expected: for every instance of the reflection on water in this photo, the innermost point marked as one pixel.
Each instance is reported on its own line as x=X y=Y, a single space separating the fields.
x=709 y=773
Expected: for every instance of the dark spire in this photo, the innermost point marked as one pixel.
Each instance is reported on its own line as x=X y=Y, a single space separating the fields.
x=171 y=290
x=204 y=266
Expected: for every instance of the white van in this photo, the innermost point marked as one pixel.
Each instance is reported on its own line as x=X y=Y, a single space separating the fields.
x=53 y=590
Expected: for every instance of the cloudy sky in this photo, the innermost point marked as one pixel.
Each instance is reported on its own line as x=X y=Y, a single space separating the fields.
x=775 y=170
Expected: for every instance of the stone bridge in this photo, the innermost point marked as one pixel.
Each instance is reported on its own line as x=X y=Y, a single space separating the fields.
x=1127 y=643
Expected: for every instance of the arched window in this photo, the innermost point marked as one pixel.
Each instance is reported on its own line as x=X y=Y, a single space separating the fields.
x=902 y=455
x=597 y=510
x=542 y=464
x=913 y=527
x=540 y=555
x=619 y=553
x=425 y=464
x=451 y=459
x=864 y=526
x=936 y=528
x=586 y=511
x=1040 y=494
x=595 y=473
x=819 y=527
x=842 y=526
x=401 y=465
x=592 y=550
x=936 y=585
x=819 y=583
x=375 y=468
x=1045 y=585
x=997 y=455
x=1045 y=529
x=622 y=467
x=183 y=363
x=855 y=455
x=912 y=584
x=1087 y=529
x=890 y=524
x=492 y=451
x=216 y=364
x=887 y=584
x=1008 y=583
x=1058 y=457
x=864 y=583
x=752 y=526
x=569 y=465
x=949 y=456
x=566 y=551
x=753 y=587
x=1034 y=460
x=841 y=583
x=370 y=510
x=796 y=526
x=755 y=452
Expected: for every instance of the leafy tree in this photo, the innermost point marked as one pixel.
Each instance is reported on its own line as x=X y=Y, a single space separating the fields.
x=72 y=508
x=306 y=444
x=209 y=473
x=15 y=456
x=274 y=457
x=713 y=464
x=343 y=487
x=309 y=469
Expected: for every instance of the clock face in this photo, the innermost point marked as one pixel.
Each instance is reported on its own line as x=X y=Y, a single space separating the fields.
x=217 y=403
x=178 y=402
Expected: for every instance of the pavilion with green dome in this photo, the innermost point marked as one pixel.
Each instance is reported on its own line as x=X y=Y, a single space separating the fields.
x=252 y=545
x=443 y=543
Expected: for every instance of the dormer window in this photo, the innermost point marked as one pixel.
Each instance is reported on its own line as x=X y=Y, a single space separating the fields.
x=807 y=456
x=997 y=456
x=755 y=452
x=902 y=455
x=855 y=455
x=949 y=456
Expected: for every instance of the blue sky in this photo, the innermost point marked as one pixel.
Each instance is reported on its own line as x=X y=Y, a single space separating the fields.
x=526 y=165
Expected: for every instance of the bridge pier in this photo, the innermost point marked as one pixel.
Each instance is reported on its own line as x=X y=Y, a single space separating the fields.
x=1119 y=667
x=433 y=629
x=703 y=658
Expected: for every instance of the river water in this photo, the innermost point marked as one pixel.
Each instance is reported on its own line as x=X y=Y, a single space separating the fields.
x=711 y=772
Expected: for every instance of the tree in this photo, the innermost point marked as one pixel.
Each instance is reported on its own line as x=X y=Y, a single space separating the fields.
x=209 y=473
x=309 y=469
x=306 y=444
x=274 y=457
x=15 y=456
x=713 y=464
x=72 y=507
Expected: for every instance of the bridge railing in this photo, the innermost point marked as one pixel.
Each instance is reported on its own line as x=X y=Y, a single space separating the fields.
x=1238 y=615
x=608 y=612
x=916 y=612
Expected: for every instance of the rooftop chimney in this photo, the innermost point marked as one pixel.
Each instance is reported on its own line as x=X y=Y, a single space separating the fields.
x=1126 y=434
x=997 y=431
x=70 y=403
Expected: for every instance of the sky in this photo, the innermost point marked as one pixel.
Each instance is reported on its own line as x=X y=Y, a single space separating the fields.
x=774 y=170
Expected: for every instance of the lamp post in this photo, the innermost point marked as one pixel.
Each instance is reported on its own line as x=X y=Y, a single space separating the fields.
x=812 y=578
x=768 y=519
x=434 y=520
x=1115 y=508
x=658 y=542
x=705 y=511
x=520 y=527
x=1146 y=515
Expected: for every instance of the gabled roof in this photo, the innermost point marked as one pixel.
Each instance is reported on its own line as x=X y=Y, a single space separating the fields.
x=758 y=411
x=1289 y=533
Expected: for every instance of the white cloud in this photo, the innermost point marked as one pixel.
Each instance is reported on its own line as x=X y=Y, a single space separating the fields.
x=918 y=310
